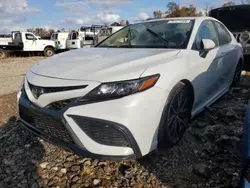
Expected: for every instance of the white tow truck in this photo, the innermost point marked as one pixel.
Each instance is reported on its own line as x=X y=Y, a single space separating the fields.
x=26 y=42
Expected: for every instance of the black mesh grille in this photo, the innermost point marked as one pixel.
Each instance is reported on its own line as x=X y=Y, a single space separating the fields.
x=59 y=105
x=45 y=124
x=102 y=132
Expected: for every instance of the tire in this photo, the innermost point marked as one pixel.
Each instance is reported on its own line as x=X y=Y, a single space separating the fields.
x=3 y=54
x=237 y=75
x=175 y=116
x=48 y=52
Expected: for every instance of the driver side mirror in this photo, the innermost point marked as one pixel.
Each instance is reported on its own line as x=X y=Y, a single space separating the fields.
x=207 y=44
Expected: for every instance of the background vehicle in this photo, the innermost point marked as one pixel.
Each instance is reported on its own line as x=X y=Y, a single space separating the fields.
x=236 y=19
x=133 y=92
x=107 y=31
x=27 y=42
x=60 y=39
x=84 y=38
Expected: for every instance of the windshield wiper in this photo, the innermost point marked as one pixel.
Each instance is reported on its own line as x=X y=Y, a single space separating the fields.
x=159 y=36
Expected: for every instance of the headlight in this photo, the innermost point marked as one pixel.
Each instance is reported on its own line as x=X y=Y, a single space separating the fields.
x=121 y=89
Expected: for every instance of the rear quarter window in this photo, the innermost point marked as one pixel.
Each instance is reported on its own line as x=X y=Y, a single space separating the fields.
x=224 y=36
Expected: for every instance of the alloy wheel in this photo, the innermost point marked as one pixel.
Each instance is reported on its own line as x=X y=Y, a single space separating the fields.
x=178 y=116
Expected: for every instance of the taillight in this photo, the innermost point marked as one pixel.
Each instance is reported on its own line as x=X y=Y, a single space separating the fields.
x=58 y=42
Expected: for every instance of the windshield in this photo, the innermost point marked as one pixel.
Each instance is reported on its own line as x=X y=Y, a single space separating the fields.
x=157 y=34
x=235 y=18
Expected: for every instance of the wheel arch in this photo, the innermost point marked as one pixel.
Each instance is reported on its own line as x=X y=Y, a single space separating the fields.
x=49 y=46
x=191 y=90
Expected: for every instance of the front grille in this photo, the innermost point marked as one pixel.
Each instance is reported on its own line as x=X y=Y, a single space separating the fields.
x=59 y=105
x=45 y=124
x=37 y=91
x=101 y=131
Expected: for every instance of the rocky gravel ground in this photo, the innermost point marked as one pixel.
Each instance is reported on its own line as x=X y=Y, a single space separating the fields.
x=208 y=156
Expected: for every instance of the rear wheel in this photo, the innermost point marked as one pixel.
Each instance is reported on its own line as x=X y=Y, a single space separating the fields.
x=3 y=54
x=48 y=52
x=176 y=115
x=237 y=75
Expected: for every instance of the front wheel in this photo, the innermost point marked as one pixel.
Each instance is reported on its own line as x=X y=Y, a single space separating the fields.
x=3 y=54
x=48 y=52
x=175 y=116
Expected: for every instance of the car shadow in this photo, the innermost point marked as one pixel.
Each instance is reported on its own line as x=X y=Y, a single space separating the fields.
x=20 y=154
x=174 y=166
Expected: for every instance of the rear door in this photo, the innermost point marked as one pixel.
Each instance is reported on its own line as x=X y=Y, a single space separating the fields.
x=74 y=41
x=229 y=51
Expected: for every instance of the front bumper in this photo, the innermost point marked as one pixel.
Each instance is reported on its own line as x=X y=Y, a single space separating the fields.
x=75 y=145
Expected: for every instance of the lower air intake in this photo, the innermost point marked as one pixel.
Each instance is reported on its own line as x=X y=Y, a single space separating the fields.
x=102 y=132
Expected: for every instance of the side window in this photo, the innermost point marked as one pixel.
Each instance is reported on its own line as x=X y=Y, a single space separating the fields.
x=224 y=36
x=206 y=31
x=29 y=37
x=74 y=36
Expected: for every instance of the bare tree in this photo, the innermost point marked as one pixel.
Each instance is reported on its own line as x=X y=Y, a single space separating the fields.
x=207 y=8
x=157 y=14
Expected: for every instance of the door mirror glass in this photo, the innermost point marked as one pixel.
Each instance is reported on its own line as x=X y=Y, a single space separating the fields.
x=207 y=44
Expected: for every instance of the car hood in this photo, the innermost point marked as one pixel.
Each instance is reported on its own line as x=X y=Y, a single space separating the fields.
x=102 y=64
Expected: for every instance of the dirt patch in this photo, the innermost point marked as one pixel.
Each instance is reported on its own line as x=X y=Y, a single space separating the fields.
x=12 y=72
x=8 y=107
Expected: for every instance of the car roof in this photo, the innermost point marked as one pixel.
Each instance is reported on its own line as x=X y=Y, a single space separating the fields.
x=202 y=18
x=233 y=6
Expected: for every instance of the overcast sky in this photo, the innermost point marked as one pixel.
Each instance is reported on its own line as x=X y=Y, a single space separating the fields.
x=57 y=14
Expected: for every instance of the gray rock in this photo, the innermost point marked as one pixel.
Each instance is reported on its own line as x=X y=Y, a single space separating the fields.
x=75 y=179
x=68 y=164
x=8 y=162
x=200 y=169
x=75 y=168
x=63 y=170
x=96 y=181
x=44 y=165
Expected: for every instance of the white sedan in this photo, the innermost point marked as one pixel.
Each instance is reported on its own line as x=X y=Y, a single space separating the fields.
x=135 y=91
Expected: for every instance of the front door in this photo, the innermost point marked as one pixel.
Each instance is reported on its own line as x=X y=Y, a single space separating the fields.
x=31 y=43
x=205 y=64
